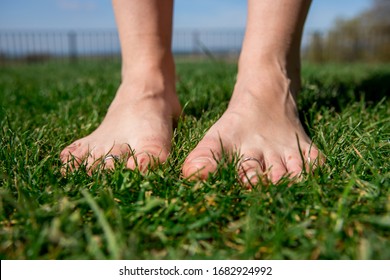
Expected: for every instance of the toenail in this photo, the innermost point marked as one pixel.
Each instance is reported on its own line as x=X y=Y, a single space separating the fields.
x=202 y=160
x=197 y=173
x=192 y=170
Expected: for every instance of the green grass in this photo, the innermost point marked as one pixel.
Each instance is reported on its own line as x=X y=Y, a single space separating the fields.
x=341 y=211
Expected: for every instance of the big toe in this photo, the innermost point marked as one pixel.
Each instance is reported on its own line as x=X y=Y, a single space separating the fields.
x=74 y=152
x=67 y=152
x=200 y=163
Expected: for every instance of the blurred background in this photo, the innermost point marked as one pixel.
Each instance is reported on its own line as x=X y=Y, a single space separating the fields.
x=72 y=30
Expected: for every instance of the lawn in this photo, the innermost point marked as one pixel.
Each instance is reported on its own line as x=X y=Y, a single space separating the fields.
x=341 y=211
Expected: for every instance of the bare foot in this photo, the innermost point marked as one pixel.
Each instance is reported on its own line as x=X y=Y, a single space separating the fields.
x=137 y=127
x=261 y=124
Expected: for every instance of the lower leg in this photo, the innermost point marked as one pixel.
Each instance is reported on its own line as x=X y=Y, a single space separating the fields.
x=262 y=113
x=138 y=124
x=273 y=36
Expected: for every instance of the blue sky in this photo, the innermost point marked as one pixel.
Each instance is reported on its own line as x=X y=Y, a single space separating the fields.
x=91 y=14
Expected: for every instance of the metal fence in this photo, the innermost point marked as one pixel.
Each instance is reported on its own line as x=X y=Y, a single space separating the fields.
x=73 y=45
x=36 y=46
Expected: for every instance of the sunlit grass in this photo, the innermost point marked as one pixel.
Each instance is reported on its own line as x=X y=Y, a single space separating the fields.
x=341 y=211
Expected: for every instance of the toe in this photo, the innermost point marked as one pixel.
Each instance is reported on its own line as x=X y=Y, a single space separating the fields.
x=201 y=162
x=107 y=160
x=72 y=147
x=116 y=154
x=307 y=161
x=262 y=168
x=294 y=165
x=276 y=169
x=66 y=154
x=199 y=168
x=251 y=169
x=72 y=157
x=149 y=156
x=314 y=158
x=141 y=161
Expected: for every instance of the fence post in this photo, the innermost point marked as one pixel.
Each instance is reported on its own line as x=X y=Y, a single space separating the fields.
x=195 y=42
x=72 y=41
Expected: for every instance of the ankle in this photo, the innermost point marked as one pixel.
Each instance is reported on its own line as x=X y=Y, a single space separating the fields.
x=271 y=70
x=267 y=87
x=148 y=75
x=154 y=87
x=147 y=64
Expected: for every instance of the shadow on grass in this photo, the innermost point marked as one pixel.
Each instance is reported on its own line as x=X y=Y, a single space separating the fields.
x=339 y=90
x=376 y=86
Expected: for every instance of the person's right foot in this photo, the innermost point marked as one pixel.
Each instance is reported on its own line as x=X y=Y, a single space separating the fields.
x=137 y=127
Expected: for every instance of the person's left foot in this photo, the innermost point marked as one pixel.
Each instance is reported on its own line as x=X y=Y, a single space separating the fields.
x=261 y=124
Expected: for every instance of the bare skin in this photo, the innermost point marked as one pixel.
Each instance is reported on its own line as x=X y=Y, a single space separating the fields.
x=261 y=123
x=138 y=124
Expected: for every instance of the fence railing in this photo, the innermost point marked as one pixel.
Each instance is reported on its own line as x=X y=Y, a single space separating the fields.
x=40 y=45
x=34 y=46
